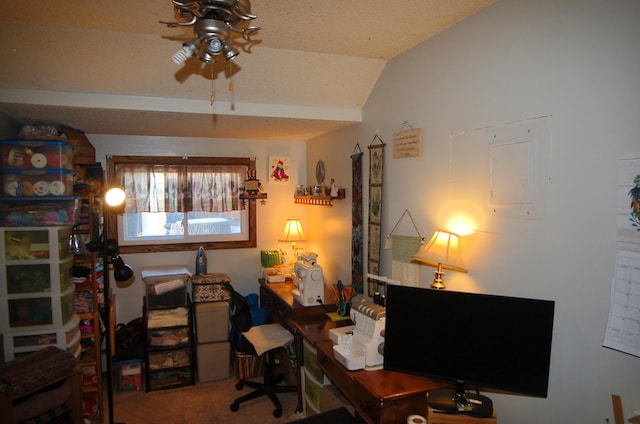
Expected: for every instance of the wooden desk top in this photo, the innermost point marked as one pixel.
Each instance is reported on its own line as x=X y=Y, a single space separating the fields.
x=313 y=324
x=384 y=384
x=379 y=396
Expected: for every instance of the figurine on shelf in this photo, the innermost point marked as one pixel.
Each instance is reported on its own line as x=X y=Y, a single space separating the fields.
x=252 y=188
x=252 y=185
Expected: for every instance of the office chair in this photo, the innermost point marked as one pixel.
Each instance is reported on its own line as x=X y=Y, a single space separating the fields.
x=266 y=339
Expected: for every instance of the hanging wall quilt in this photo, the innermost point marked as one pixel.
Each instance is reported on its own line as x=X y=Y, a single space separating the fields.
x=376 y=165
x=356 y=222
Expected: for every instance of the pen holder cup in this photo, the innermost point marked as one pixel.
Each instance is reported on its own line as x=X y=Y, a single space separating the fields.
x=344 y=308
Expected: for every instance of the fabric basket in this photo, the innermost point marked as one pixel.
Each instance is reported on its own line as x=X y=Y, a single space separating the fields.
x=210 y=287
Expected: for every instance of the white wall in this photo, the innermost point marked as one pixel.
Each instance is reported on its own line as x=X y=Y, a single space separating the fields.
x=579 y=62
x=242 y=265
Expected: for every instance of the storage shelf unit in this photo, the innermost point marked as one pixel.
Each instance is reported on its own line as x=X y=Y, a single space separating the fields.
x=169 y=364
x=89 y=301
x=36 y=295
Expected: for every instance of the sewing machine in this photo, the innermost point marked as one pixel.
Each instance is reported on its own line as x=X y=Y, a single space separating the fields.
x=308 y=280
x=361 y=345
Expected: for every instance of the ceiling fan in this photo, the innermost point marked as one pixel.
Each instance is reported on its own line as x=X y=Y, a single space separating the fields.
x=215 y=22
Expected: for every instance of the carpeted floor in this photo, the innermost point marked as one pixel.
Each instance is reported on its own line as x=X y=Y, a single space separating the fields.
x=204 y=403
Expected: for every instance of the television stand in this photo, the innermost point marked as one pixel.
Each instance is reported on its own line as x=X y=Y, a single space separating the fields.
x=459 y=402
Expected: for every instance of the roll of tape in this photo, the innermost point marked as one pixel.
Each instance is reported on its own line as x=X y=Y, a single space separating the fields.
x=416 y=419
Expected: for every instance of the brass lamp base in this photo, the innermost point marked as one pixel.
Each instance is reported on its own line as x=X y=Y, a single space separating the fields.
x=438 y=281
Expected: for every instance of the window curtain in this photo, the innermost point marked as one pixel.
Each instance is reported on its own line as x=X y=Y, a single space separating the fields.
x=181 y=188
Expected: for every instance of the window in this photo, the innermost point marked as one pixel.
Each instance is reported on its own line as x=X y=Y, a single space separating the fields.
x=181 y=203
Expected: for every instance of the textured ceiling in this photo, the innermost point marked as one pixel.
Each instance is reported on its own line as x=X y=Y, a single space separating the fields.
x=105 y=66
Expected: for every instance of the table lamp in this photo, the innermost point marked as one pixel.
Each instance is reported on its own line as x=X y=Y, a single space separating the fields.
x=293 y=233
x=442 y=252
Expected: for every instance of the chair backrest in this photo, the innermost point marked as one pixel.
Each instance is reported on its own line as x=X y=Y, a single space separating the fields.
x=239 y=316
x=239 y=311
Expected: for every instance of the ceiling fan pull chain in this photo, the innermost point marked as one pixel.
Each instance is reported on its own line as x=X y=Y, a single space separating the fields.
x=213 y=84
x=230 y=77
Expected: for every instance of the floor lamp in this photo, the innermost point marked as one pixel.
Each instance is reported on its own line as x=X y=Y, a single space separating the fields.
x=113 y=199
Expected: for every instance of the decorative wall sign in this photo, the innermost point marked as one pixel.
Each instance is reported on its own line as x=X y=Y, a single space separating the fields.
x=279 y=169
x=407 y=144
x=376 y=168
x=356 y=222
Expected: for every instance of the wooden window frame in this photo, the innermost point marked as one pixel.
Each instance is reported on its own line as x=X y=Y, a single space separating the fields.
x=250 y=204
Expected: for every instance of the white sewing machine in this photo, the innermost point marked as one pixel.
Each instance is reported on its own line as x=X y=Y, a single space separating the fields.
x=309 y=281
x=361 y=349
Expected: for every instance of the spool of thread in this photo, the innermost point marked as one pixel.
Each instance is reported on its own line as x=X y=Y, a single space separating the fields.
x=38 y=160
x=416 y=419
x=167 y=286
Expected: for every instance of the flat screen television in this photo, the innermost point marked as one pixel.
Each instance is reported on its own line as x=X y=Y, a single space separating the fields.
x=487 y=341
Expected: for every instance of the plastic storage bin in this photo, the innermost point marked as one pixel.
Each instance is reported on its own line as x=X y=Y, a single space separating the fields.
x=37 y=182
x=36 y=311
x=166 y=287
x=40 y=212
x=26 y=245
x=37 y=154
x=18 y=343
x=171 y=337
x=128 y=375
x=25 y=278
x=169 y=359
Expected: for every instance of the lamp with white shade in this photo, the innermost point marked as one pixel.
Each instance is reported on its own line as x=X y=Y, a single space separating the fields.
x=442 y=252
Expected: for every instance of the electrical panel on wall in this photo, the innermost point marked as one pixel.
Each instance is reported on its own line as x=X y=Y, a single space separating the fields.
x=502 y=169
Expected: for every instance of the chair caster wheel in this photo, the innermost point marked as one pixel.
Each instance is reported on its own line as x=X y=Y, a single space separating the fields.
x=239 y=385
x=277 y=412
x=234 y=406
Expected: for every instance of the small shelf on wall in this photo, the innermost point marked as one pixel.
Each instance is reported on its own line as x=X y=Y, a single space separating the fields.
x=320 y=200
x=245 y=196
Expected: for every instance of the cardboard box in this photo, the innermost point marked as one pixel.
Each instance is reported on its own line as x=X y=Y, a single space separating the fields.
x=212 y=322
x=214 y=361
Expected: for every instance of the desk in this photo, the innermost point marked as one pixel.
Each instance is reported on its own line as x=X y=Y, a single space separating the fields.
x=377 y=396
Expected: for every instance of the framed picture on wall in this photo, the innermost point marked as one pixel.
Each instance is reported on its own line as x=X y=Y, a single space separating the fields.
x=279 y=169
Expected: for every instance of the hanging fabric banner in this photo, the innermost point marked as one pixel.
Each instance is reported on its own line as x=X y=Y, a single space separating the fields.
x=376 y=167
x=356 y=222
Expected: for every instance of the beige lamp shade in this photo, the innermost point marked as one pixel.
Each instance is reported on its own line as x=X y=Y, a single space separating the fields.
x=442 y=250
x=292 y=232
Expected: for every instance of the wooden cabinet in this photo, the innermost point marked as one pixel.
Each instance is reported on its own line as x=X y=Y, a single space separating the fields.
x=89 y=301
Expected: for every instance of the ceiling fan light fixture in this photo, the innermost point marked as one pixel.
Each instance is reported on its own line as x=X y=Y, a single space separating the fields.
x=215 y=45
x=214 y=21
x=230 y=52
x=188 y=49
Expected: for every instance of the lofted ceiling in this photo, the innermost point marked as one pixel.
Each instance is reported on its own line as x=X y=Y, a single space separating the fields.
x=105 y=67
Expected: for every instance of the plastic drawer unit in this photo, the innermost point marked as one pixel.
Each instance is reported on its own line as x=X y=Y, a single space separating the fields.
x=20 y=343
